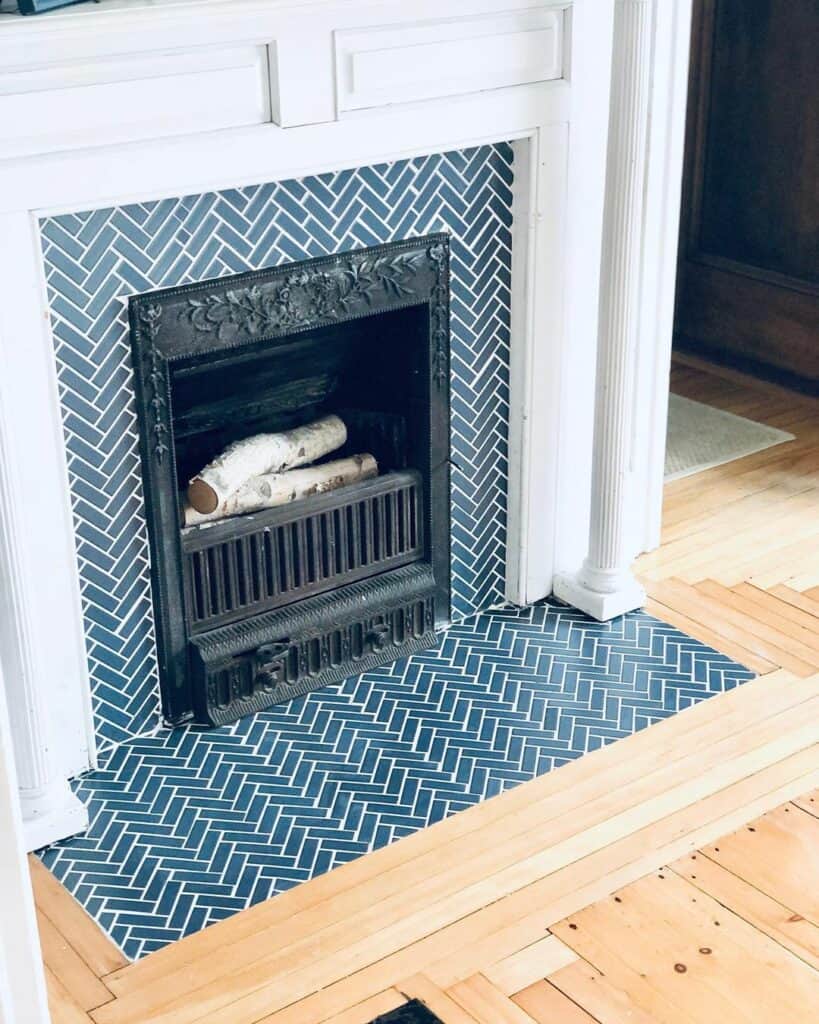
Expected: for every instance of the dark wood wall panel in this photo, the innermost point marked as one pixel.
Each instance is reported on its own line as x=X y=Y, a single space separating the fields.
x=749 y=259
x=721 y=310
x=761 y=181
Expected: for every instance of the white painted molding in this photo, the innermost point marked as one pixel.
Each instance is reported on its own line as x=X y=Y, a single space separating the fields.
x=129 y=98
x=658 y=274
x=604 y=586
x=539 y=340
x=430 y=59
x=51 y=812
x=301 y=78
x=589 y=75
x=22 y=984
x=577 y=592
x=41 y=638
x=89 y=179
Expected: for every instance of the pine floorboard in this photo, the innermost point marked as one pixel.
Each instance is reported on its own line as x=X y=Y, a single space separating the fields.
x=671 y=877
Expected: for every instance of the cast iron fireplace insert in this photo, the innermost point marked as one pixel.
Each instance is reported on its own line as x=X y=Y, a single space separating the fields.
x=259 y=608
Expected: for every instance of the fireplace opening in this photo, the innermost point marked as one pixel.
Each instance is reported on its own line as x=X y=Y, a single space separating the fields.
x=277 y=587
x=370 y=372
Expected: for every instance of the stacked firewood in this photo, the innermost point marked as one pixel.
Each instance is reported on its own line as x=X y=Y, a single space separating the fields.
x=268 y=470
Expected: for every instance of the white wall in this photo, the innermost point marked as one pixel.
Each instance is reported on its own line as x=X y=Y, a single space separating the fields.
x=22 y=987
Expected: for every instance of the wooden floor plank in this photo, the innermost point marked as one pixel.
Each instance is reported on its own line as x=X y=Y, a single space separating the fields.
x=487 y=1004
x=375 y=1006
x=809 y=802
x=783 y=924
x=530 y=964
x=61 y=1004
x=666 y=955
x=770 y=624
x=718 y=524
x=690 y=510
x=759 y=490
x=778 y=855
x=797 y=566
x=744 y=476
x=759 y=550
x=706 y=635
x=471 y=956
x=779 y=608
x=797 y=599
x=73 y=923
x=696 y=955
x=442 y=1005
x=69 y=968
x=764 y=559
x=714 y=529
x=775 y=470
x=548 y=1005
x=616 y=964
x=727 y=490
x=795 y=983
x=606 y=1003
x=725 y=621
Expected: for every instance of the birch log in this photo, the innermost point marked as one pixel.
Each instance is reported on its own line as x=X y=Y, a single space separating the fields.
x=263 y=454
x=272 y=489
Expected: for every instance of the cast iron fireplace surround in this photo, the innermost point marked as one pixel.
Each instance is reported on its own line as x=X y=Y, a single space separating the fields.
x=260 y=608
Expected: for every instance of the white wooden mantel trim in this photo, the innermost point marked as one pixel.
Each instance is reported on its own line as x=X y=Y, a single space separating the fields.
x=41 y=631
x=289 y=122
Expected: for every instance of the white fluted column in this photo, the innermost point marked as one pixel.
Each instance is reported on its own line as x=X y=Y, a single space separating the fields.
x=605 y=587
x=35 y=668
x=49 y=809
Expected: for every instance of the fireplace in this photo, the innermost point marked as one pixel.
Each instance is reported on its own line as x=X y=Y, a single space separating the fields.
x=253 y=609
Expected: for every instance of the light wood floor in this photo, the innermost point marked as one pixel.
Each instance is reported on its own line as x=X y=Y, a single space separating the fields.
x=671 y=877
x=739 y=562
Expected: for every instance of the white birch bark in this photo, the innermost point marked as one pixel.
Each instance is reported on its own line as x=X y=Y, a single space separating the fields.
x=270 y=490
x=263 y=454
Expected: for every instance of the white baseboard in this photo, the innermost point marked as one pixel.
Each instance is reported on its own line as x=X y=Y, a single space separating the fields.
x=65 y=819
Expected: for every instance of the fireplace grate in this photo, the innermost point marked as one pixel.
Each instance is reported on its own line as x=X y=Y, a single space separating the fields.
x=244 y=566
x=254 y=663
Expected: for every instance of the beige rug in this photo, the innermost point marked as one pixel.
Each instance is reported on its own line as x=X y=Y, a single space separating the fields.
x=700 y=437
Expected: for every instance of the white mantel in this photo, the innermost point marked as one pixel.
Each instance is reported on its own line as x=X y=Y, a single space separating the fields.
x=105 y=104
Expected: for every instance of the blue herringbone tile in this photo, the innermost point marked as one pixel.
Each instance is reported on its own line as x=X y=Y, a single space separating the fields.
x=95 y=259
x=190 y=826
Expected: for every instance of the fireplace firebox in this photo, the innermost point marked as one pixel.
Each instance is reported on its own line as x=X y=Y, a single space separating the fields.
x=257 y=608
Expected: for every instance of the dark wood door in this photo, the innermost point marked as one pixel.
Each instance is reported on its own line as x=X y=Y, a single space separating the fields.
x=748 y=286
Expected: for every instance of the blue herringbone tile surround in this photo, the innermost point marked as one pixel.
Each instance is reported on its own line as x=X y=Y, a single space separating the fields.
x=190 y=826
x=95 y=259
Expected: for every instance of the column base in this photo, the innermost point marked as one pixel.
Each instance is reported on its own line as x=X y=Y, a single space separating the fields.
x=603 y=607
x=62 y=819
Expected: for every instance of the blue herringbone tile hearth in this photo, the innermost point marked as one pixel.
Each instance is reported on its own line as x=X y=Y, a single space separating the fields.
x=190 y=826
